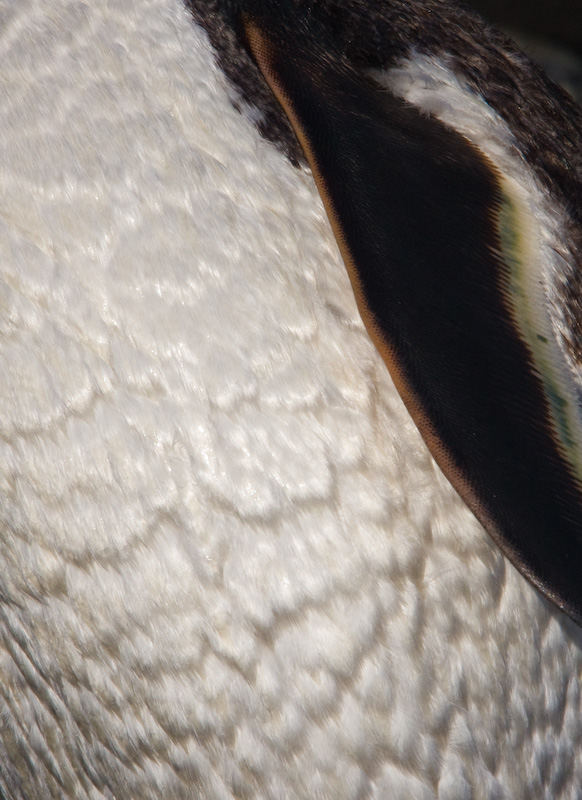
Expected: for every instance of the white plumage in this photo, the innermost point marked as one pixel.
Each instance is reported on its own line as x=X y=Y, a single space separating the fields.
x=229 y=566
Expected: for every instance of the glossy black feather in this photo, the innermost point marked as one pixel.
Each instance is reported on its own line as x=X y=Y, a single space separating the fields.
x=415 y=207
x=416 y=210
x=544 y=120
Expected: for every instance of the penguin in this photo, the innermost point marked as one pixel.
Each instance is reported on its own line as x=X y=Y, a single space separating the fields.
x=230 y=565
x=419 y=160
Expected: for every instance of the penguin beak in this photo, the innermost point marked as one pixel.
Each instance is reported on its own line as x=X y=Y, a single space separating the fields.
x=435 y=243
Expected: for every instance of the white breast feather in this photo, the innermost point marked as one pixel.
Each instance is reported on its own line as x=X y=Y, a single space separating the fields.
x=229 y=565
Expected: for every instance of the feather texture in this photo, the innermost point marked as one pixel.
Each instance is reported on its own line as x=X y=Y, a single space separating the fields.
x=445 y=250
x=229 y=565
